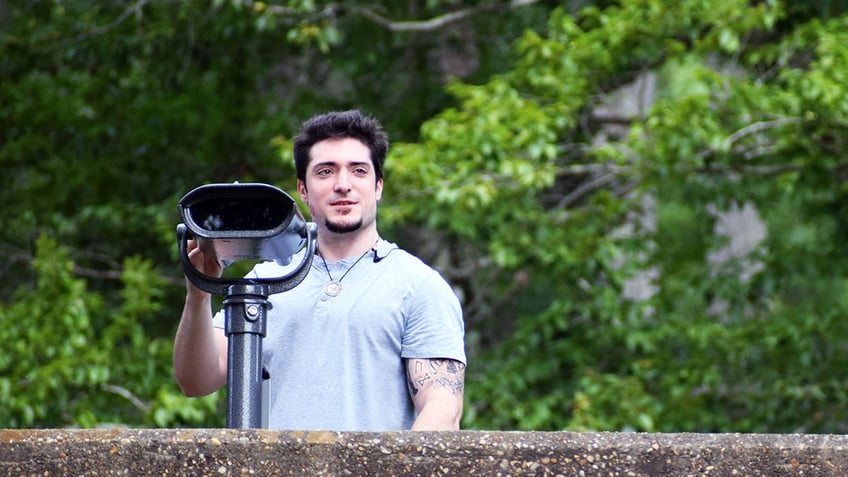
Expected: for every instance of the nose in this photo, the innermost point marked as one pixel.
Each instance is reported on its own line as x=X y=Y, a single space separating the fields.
x=342 y=182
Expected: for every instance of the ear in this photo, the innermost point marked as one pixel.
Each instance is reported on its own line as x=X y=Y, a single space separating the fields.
x=301 y=190
x=379 y=190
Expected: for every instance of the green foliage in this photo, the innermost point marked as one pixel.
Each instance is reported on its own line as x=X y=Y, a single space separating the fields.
x=545 y=195
x=736 y=121
x=70 y=362
x=109 y=113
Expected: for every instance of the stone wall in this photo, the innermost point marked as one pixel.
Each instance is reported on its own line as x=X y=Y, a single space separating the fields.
x=229 y=452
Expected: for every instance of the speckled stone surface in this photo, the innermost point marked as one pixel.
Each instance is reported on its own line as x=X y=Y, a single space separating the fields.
x=228 y=452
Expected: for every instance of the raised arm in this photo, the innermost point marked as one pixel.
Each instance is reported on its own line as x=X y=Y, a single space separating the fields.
x=436 y=387
x=200 y=349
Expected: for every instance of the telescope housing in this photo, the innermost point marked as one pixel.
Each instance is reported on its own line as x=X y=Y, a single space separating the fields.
x=250 y=221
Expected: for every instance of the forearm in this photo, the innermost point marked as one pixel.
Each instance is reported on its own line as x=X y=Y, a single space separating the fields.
x=199 y=368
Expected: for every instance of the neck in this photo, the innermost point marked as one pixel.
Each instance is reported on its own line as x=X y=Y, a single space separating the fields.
x=335 y=247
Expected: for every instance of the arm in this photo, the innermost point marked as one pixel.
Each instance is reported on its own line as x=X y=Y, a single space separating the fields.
x=200 y=349
x=436 y=387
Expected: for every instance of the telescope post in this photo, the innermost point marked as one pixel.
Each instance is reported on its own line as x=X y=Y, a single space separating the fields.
x=245 y=309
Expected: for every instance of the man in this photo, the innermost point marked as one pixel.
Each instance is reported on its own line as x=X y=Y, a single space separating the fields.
x=372 y=339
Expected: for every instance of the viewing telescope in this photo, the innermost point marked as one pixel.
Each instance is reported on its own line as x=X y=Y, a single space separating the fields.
x=249 y=221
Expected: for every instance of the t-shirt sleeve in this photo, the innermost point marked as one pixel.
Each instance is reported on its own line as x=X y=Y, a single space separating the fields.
x=434 y=325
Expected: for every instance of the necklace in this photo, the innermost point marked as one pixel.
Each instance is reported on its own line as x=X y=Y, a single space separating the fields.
x=334 y=287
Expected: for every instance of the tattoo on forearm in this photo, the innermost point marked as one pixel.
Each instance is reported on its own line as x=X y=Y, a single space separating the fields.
x=440 y=373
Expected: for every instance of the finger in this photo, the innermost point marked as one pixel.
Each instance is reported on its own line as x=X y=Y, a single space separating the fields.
x=213 y=267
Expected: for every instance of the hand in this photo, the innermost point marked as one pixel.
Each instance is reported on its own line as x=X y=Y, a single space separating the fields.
x=204 y=264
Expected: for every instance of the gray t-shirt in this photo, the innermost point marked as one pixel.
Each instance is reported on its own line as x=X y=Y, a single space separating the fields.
x=336 y=362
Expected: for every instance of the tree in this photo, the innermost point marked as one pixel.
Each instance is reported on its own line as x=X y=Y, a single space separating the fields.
x=111 y=111
x=513 y=171
x=554 y=211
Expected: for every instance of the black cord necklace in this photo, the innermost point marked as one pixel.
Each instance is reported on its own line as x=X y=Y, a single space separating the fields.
x=334 y=287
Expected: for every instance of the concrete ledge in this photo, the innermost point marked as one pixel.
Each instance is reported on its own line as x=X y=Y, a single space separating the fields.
x=227 y=452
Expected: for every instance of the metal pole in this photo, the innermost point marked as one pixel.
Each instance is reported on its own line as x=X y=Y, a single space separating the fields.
x=245 y=309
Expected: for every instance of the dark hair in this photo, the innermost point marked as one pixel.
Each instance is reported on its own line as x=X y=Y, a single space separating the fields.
x=339 y=125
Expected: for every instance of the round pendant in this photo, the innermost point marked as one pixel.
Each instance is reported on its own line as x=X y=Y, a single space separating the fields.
x=333 y=288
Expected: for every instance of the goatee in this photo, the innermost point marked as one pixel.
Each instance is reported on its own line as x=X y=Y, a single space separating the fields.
x=343 y=228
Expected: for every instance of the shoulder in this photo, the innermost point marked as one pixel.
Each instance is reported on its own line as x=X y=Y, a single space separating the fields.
x=403 y=261
x=421 y=279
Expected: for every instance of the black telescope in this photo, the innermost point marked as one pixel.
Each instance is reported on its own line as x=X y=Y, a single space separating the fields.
x=249 y=221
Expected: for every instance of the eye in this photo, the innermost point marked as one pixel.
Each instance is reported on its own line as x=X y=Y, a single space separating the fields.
x=361 y=171
x=323 y=171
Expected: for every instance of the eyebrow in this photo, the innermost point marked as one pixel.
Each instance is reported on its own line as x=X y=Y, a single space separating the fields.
x=335 y=163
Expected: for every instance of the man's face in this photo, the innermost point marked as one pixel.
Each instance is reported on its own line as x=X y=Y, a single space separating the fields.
x=340 y=188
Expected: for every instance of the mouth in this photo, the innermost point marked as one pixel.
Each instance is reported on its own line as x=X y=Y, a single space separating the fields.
x=342 y=203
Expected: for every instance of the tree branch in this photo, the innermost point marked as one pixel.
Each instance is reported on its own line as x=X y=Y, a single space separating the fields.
x=617 y=119
x=771 y=170
x=586 y=188
x=748 y=131
x=439 y=21
x=125 y=393
x=392 y=25
x=15 y=255
x=761 y=126
x=132 y=9
x=97 y=274
x=579 y=169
